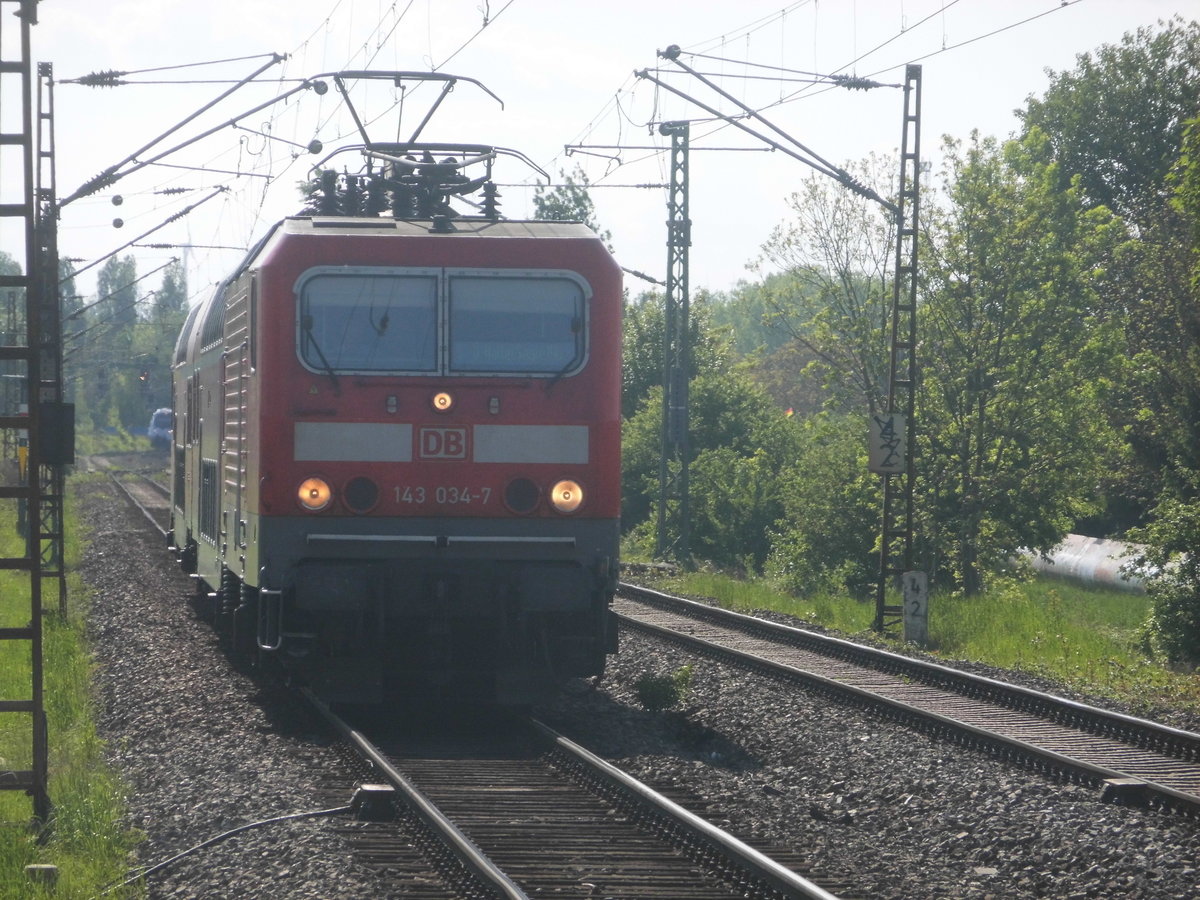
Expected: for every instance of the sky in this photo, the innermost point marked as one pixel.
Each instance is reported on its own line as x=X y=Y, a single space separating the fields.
x=565 y=71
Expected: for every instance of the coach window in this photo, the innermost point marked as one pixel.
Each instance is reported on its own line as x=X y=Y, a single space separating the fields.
x=504 y=324
x=357 y=322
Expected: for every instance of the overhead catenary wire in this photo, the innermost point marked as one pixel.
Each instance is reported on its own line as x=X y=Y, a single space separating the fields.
x=135 y=162
x=818 y=87
x=115 y=291
x=806 y=93
x=267 y=168
x=112 y=173
x=247 y=206
x=83 y=79
x=172 y=218
x=805 y=154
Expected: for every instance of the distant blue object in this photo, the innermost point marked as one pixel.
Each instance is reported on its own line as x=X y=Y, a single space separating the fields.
x=162 y=423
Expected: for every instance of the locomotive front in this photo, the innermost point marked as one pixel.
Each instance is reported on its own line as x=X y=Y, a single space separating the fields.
x=401 y=448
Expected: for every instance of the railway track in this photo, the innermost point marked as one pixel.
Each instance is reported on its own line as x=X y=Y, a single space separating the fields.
x=148 y=495
x=526 y=813
x=1131 y=759
x=515 y=816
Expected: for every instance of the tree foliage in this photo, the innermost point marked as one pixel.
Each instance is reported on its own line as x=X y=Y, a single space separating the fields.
x=826 y=536
x=642 y=351
x=1116 y=120
x=1173 y=535
x=738 y=442
x=1115 y=123
x=836 y=252
x=1017 y=351
x=752 y=312
x=1118 y=123
x=569 y=201
x=118 y=347
x=1059 y=319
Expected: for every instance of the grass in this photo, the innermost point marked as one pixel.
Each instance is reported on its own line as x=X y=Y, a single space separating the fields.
x=113 y=440
x=1086 y=637
x=85 y=838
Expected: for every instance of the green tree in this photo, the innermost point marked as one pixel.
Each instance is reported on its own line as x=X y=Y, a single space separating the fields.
x=116 y=285
x=154 y=342
x=12 y=302
x=837 y=253
x=108 y=383
x=791 y=377
x=1017 y=354
x=826 y=536
x=751 y=312
x=786 y=367
x=738 y=442
x=569 y=201
x=1115 y=124
x=170 y=301
x=642 y=351
x=12 y=333
x=1173 y=534
x=1116 y=120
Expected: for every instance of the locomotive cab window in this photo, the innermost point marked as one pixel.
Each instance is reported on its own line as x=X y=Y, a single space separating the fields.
x=493 y=322
x=359 y=322
x=526 y=325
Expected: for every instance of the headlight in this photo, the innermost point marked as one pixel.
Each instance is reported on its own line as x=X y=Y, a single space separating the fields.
x=567 y=496
x=442 y=401
x=314 y=493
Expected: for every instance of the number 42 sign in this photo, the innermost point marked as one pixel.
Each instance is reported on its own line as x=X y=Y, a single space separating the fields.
x=888 y=454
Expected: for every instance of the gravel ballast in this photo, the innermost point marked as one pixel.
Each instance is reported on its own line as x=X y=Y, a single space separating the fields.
x=205 y=748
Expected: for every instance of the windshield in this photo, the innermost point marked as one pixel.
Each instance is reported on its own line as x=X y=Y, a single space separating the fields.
x=369 y=323
x=515 y=324
x=442 y=322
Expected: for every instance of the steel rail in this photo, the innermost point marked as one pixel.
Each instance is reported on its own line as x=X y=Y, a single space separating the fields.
x=757 y=874
x=489 y=876
x=463 y=847
x=1152 y=736
x=756 y=865
x=132 y=498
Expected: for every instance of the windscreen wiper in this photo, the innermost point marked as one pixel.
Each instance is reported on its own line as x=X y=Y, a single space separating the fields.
x=306 y=323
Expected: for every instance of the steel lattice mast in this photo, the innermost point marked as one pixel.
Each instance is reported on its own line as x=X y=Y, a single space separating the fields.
x=673 y=506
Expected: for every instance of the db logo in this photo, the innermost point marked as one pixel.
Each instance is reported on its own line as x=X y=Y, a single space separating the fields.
x=443 y=443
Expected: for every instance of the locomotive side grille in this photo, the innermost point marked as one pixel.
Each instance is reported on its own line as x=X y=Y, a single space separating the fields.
x=235 y=372
x=234 y=421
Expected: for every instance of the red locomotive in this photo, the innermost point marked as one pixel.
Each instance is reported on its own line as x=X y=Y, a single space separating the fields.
x=397 y=444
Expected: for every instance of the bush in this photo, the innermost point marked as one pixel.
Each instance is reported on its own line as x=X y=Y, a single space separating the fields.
x=826 y=536
x=659 y=692
x=1172 y=563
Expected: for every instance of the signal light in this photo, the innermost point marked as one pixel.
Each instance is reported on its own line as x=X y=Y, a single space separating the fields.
x=442 y=402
